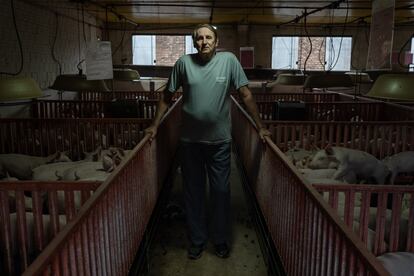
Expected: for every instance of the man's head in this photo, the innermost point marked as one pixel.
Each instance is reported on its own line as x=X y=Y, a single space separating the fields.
x=205 y=40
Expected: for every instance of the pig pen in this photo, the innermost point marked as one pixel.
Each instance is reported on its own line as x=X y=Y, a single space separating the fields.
x=343 y=111
x=309 y=236
x=381 y=139
x=383 y=228
x=111 y=95
x=105 y=235
x=142 y=108
x=26 y=230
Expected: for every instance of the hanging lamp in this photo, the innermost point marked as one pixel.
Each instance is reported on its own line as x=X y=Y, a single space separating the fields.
x=126 y=74
x=290 y=79
x=326 y=81
x=78 y=82
x=359 y=77
x=19 y=88
x=394 y=87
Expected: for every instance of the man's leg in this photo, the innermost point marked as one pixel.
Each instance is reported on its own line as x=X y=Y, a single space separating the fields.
x=218 y=163
x=194 y=177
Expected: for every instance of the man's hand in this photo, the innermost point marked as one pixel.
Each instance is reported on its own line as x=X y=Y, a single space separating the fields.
x=152 y=130
x=263 y=132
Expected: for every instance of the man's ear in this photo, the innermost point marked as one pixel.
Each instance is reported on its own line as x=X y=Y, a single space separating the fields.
x=217 y=41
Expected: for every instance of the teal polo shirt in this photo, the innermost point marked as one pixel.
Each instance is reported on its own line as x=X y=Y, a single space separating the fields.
x=206 y=95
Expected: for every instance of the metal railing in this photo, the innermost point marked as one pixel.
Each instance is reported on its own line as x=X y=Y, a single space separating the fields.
x=104 y=236
x=309 y=237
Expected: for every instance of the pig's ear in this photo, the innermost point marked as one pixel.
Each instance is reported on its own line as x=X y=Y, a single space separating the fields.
x=107 y=163
x=329 y=150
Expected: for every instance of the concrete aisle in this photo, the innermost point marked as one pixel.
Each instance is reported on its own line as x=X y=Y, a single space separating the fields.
x=168 y=253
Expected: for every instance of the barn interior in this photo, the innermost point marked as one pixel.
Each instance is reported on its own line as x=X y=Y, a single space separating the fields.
x=81 y=80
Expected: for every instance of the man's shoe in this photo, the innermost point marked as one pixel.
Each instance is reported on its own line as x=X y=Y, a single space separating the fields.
x=222 y=250
x=195 y=251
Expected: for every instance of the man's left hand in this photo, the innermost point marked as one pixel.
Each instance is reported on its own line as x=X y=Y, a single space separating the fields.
x=263 y=132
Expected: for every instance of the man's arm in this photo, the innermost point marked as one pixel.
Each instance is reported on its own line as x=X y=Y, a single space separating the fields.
x=251 y=107
x=162 y=107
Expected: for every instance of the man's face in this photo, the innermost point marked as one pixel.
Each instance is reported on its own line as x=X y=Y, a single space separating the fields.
x=206 y=42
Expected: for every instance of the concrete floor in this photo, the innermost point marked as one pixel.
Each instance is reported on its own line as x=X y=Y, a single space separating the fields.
x=168 y=253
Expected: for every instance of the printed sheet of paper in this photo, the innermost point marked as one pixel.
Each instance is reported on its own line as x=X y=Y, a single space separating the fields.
x=99 y=61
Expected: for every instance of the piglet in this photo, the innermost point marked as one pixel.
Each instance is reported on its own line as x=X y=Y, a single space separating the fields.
x=402 y=162
x=398 y=263
x=363 y=164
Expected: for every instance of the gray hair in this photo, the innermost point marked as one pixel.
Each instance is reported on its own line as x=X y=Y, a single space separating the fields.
x=208 y=26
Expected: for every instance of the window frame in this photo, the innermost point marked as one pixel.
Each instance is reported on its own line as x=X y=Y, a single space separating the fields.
x=154 y=37
x=298 y=46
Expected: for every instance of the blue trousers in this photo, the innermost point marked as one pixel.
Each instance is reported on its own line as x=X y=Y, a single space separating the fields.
x=199 y=160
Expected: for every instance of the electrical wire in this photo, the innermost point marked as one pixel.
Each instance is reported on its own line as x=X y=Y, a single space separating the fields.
x=19 y=42
x=54 y=44
x=400 y=51
x=342 y=36
x=122 y=39
x=83 y=24
x=310 y=44
x=319 y=54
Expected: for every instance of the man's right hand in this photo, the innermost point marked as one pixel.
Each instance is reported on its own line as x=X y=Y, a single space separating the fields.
x=152 y=130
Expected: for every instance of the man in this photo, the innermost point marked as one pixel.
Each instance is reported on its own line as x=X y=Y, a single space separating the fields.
x=206 y=78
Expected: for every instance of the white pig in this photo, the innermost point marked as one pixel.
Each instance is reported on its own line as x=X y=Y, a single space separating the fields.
x=30 y=238
x=398 y=263
x=98 y=171
x=320 y=173
x=402 y=162
x=363 y=164
x=21 y=165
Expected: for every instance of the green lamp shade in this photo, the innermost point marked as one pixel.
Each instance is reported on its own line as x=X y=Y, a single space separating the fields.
x=126 y=74
x=326 y=81
x=393 y=86
x=290 y=79
x=78 y=83
x=19 y=88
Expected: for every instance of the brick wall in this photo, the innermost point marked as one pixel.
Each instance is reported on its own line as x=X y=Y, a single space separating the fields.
x=169 y=49
x=317 y=57
x=37 y=25
x=231 y=38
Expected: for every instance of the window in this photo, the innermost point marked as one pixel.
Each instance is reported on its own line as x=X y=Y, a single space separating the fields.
x=285 y=52
x=160 y=49
x=143 y=49
x=411 y=66
x=328 y=53
x=338 y=53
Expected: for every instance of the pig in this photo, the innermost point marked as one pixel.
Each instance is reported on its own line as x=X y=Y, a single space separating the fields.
x=21 y=166
x=363 y=164
x=402 y=162
x=398 y=263
x=92 y=171
x=28 y=205
x=77 y=200
x=47 y=232
x=94 y=155
x=324 y=181
x=54 y=171
x=320 y=173
x=299 y=157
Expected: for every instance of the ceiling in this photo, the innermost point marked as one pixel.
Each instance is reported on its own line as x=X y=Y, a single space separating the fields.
x=240 y=11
